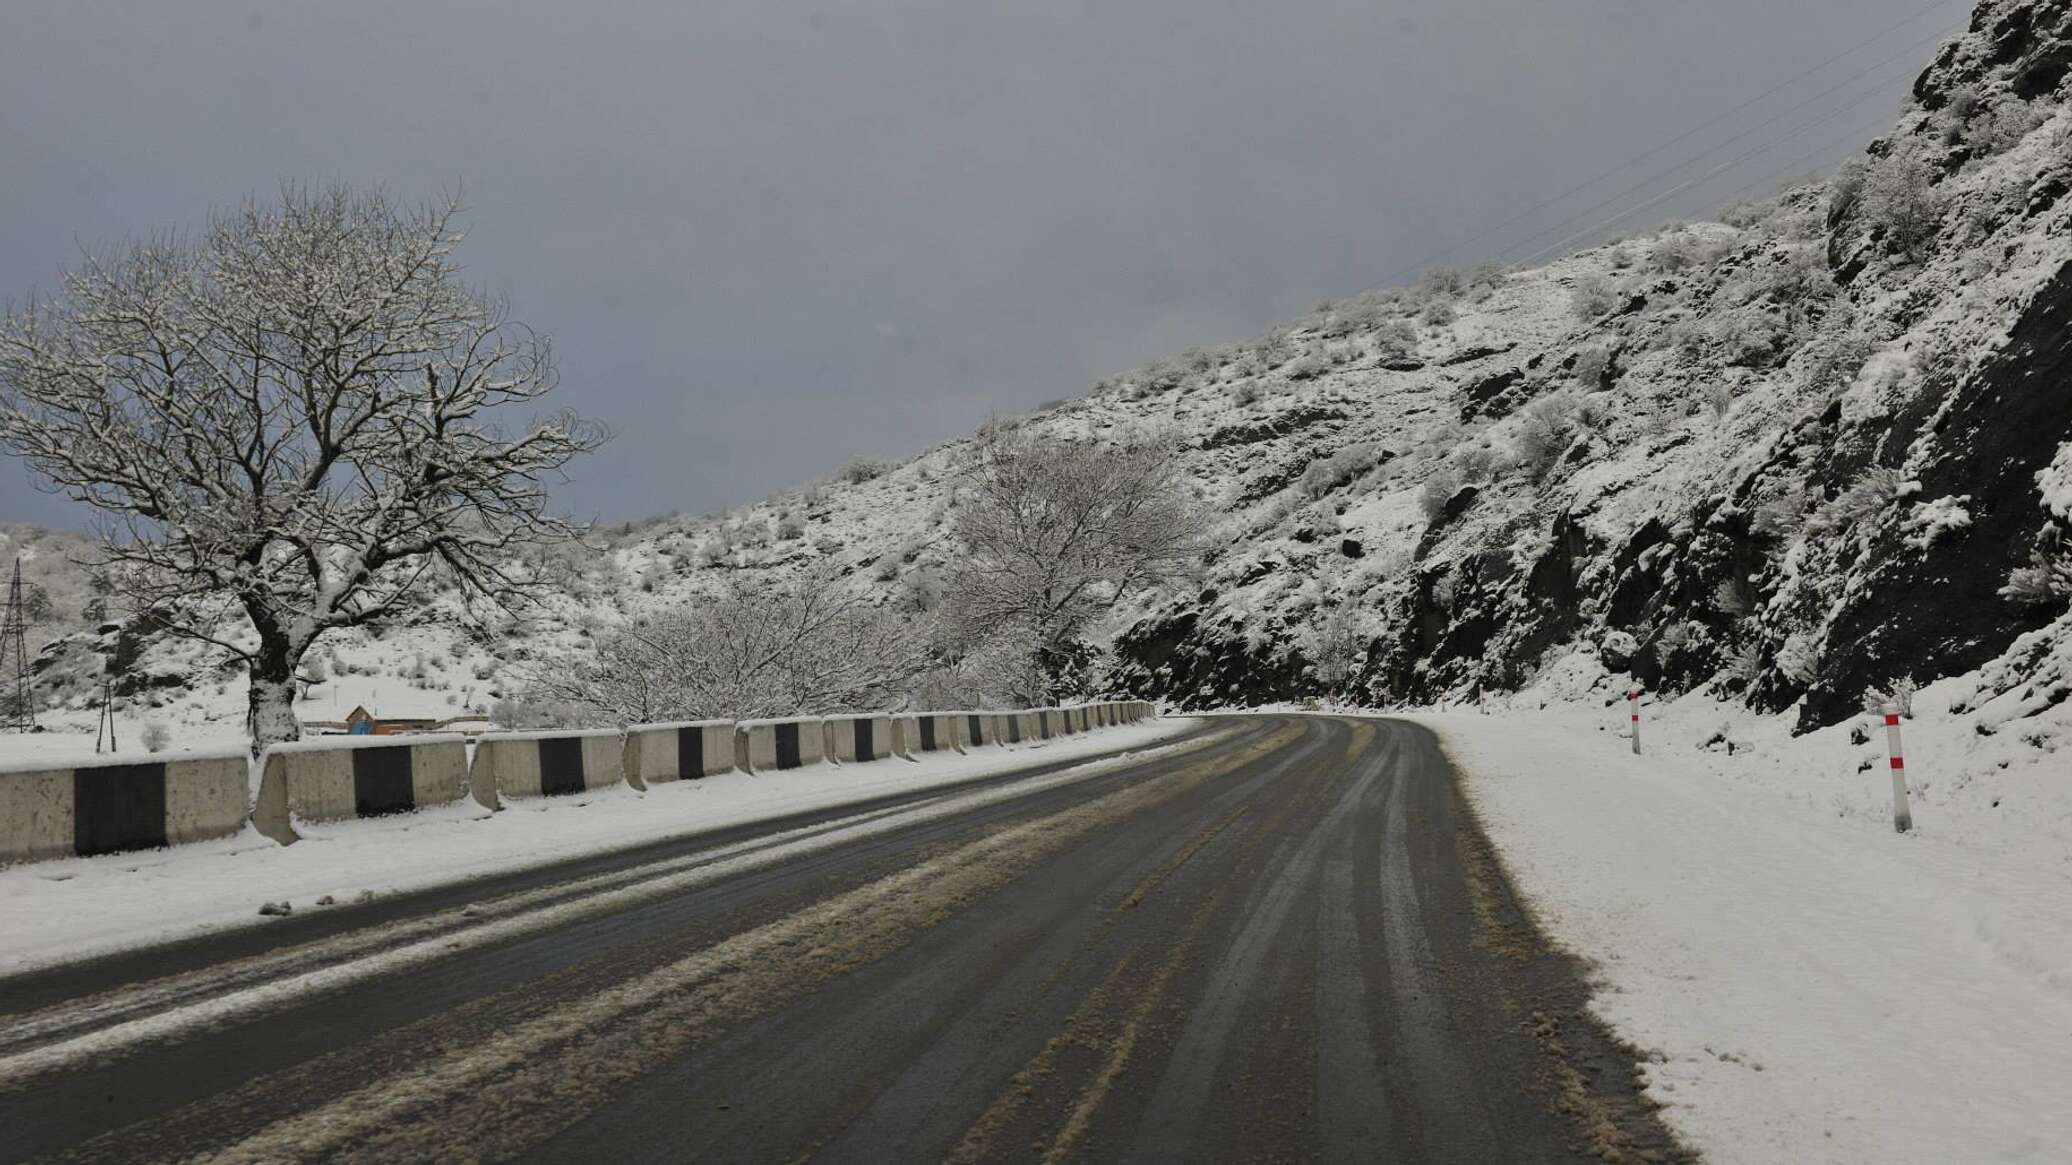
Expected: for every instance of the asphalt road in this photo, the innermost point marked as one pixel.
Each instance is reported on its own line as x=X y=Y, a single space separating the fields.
x=1282 y=938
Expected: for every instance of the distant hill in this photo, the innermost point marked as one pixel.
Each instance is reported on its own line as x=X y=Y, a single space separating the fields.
x=51 y=564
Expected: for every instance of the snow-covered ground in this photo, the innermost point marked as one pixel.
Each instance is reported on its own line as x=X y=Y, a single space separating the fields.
x=1805 y=983
x=78 y=907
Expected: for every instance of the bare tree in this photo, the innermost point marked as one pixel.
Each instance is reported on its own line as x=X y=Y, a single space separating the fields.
x=759 y=648
x=1056 y=530
x=1336 y=645
x=293 y=418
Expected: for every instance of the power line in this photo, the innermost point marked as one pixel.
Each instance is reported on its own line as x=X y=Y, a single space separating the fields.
x=1785 y=172
x=1701 y=179
x=1529 y=211
x=1764 y=124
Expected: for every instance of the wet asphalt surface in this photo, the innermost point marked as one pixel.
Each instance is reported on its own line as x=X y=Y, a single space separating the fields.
x=1283 y=938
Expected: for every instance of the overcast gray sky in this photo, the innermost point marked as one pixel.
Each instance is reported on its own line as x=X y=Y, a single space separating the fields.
x=768 y=236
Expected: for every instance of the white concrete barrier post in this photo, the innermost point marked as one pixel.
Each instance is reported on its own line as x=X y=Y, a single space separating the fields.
x=1633 y=711
x=1902 y=813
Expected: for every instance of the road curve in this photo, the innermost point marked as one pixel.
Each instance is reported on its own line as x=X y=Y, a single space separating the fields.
x=1281 y=938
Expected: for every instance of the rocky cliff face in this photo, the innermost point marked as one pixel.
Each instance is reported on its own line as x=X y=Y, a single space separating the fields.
x=1863 y=383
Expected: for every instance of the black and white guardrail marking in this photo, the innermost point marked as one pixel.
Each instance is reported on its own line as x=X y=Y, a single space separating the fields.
x=90 y=806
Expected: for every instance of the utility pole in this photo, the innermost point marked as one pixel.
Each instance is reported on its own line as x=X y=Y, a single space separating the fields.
x=15 y=713
x=107 y=721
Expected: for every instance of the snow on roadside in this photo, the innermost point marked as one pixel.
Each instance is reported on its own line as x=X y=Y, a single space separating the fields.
x=1805 y=984
x=75 y=908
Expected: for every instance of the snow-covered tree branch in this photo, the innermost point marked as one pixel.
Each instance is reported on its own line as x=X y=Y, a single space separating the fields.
x=298 y=414
x=759 y=648
x=1057 y=530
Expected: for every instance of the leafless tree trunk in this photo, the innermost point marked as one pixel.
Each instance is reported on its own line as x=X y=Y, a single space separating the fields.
x=295 y=416
x=1056 y=530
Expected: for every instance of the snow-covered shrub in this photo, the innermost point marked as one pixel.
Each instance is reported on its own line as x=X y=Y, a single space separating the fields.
x=1276 y=348
x=1395 y=338
x=1350 y=317
x=1832 y=361
x=1591 y=414
x=862 y=469
x=1336 y=645
x=1437 y=490
x=1899 y=693
x=1675 y=637
x=1591 y=297
x=1865 y=498
x=1477 y=463
x=1747 y=214
x=1679 y=251
x=2045 y=582
x=156 y=736
x=1900 y=199
x=1325 y=474
x=1845 y=189
x=1731 y=597
x=1749 y=336
x=1780 y=517
x=1743 y=663
x=789 y=529
x=1687 y=337
x=1799 y=659
x=1438 y=313
x=1802 y=277
x=1445 y=590
x=1590 y=368
x=1930 y=522
x=920 y=591
x=2003 y=124
x=1440 y=282
x=1543 y=434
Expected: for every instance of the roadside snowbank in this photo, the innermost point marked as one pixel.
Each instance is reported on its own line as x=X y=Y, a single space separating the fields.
x=1805 y=984
x=79 y=907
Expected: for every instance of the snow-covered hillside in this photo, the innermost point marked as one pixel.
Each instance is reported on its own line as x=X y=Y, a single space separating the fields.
x=1779 y=459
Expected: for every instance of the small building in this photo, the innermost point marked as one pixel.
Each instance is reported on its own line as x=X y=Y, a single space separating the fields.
x=361 y=722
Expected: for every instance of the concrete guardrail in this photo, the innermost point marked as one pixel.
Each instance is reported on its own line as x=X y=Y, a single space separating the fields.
x=946 y=732
x=678 y=751
x=769 y=745
x=906 y=735
x=93 y=806
x=337 y=778
x=546 y=764
x=856 y=739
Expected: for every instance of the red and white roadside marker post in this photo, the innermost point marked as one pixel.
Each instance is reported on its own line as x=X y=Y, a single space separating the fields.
x=1633 y=713
x=1902 y=813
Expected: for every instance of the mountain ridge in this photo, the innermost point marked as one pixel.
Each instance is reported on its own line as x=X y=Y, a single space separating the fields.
x=1788 y=457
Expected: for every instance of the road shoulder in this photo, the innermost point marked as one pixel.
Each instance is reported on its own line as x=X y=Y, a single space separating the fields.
x=1799 y=988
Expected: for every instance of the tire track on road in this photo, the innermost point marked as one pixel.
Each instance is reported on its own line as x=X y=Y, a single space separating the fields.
x=516 y=1088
